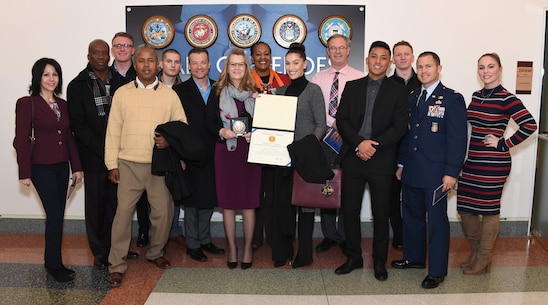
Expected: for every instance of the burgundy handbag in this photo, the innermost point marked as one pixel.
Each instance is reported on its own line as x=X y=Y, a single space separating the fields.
x=317 y=195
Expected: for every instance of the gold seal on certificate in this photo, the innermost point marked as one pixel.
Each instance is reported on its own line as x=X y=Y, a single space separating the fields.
x=239 y=125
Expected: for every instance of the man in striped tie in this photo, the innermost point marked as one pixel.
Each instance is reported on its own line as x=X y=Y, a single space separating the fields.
x=332 y=82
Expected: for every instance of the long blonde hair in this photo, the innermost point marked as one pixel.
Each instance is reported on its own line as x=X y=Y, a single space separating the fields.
x=247 y=84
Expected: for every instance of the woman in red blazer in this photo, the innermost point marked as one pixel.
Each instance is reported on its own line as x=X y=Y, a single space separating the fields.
x=46 y=163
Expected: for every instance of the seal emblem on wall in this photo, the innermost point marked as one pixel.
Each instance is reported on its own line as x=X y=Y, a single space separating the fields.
x=158 y=31
x=244 y=30
x=334 y=25
x=201 y=31
x=289 y=29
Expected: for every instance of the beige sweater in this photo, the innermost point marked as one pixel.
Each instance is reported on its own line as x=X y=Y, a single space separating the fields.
x=134 y=114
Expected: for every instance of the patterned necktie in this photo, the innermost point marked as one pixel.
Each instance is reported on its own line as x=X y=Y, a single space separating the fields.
x=422 y=98
x=334 y=95
x=56 y=110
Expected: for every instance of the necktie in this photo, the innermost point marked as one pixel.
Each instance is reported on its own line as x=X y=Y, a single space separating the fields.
x=334 y=95
x=422 y=98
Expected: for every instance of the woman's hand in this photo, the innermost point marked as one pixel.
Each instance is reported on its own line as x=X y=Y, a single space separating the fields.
x=491 y=141
x=25 y=182
x=78 y=176
x=247 y=136
x=227 y=133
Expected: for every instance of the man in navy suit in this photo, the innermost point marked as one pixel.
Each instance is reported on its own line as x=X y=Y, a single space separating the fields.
x=372 y=118
x=431 y=157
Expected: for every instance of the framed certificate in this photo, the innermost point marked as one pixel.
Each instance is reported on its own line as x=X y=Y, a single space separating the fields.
x=273 y=129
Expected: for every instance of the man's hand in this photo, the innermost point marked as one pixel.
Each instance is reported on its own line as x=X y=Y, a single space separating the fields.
x=448 y=183
x=398 y=173
x=366 y=149
x=160 y=141
x=114 y=176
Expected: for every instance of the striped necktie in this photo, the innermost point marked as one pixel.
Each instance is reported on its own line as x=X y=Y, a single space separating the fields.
x=334 y=95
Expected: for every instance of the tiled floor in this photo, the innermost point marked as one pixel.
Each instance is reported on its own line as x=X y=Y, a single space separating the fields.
x=519 y=276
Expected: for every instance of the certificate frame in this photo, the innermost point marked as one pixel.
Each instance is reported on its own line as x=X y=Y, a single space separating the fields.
x=272 y=130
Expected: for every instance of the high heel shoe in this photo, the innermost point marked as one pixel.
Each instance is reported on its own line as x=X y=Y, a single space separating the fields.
x=245 y=265
x=232 y=265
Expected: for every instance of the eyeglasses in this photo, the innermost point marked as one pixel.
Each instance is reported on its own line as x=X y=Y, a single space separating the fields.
x=123 y=45
x=236 y=64
x=340 y=48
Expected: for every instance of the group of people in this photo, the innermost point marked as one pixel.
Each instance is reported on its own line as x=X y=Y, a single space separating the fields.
x=128 y=127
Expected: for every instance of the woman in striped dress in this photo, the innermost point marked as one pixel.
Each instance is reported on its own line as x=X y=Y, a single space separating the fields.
x=488 y=164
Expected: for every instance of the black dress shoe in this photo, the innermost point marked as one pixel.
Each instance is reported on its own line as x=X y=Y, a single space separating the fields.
x=380 y=272
x=60 y=275
x=430 y=282
x=325 y=245
x=142 y=240
x=100 y=261
x=211 y=248
x=349 y=265
x=132 y=255
x=404 y=264
x=196 y=254
x=68 y=271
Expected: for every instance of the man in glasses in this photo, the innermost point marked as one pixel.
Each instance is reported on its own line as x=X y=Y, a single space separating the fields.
x=123 y=72
x=336 y=76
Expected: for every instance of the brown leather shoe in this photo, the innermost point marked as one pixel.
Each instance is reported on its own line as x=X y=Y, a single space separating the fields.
x=160 y=262
x=115 y=279
x=178 y=240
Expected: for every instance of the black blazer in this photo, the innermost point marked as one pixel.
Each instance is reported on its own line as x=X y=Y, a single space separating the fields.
x=89 y=128
x=390 y=119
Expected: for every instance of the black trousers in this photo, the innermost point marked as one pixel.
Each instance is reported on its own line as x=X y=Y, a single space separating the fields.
x=283 y=224
x=395 y=212
x=355 y=177
x=51 y=183
x=100 y=208
x=264 y=213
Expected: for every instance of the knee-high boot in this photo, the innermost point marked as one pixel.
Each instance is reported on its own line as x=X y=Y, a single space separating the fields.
x=471 y=225
x=489 y=233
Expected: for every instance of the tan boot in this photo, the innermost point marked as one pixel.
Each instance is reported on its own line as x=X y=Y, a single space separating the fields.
x=489 y=233
x=471 y=225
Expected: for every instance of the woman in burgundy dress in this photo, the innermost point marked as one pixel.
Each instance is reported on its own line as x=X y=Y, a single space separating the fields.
x=238 y=182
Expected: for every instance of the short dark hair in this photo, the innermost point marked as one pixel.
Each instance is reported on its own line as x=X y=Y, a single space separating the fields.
x=434 y=55
x=198 y=51
x=402 y=43
x=258 y=43
x=124 y=34
x=170 y=51
x=37 y=71
x=380 y=44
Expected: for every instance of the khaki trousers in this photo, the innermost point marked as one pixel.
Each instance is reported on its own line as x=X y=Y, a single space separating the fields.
x=134 y=179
